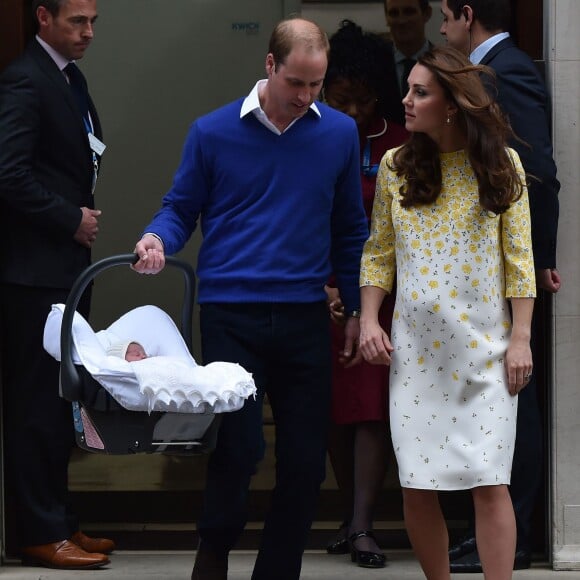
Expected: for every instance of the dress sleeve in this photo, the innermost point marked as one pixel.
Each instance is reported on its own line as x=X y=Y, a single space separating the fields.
x=520 y=280
x=378 y=264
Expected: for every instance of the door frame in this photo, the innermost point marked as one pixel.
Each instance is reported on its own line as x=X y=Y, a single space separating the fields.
x=17 y=28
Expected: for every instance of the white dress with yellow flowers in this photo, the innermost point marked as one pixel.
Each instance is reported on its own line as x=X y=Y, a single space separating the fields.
x=453 y=421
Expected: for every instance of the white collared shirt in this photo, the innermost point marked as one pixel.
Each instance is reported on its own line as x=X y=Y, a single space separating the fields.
x=59 y=60
x=251 y=104
x=477 y=55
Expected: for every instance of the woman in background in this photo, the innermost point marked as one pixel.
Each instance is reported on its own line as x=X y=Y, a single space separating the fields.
x=356 y=83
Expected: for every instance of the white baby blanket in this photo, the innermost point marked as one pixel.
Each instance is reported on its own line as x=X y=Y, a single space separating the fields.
x=169 y=380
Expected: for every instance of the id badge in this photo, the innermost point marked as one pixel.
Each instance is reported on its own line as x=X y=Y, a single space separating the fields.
x=97 y=146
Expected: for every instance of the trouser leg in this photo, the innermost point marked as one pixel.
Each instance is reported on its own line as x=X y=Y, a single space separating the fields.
x=38 y=426
x=299 y=393
x=527 y=464
x=528 y=461
x=287 y=348
x=232 y=334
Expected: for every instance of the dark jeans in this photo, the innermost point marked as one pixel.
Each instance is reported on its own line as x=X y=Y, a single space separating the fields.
x=287 y=348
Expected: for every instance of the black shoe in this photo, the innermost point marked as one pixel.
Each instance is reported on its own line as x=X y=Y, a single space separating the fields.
x=362 y=558
x=209 y=564
x=470 y=563
x=464 y=546
x=523 y=560
x=340 y=545
x=467 y=564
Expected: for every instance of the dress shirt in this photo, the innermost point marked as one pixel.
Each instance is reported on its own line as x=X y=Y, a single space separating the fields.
x=477 y=55
x=59 y=60
x=251 y=104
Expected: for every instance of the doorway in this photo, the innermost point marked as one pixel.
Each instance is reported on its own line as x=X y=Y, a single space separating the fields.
x=150 y=502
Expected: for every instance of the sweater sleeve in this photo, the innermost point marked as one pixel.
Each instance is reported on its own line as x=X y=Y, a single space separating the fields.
x=349 y=228
x=180 y=208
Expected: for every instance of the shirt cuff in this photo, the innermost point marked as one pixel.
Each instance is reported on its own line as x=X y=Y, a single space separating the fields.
x=155 y=236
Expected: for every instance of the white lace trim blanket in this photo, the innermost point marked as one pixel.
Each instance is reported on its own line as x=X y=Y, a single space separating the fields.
x=169 y=380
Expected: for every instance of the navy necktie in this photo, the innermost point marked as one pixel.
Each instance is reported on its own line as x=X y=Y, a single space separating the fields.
x=408 y=64
x=78 y=85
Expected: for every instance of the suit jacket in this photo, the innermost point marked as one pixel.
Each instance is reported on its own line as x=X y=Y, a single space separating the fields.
x=394 y=109
x=46 y=173
x=522 y=95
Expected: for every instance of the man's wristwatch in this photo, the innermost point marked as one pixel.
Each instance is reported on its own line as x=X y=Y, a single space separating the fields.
x=354 y=314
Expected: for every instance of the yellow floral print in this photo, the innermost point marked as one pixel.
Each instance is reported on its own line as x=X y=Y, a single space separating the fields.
x=456 y=266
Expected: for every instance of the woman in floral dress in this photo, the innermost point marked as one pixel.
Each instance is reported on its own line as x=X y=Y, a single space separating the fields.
x=451 y=220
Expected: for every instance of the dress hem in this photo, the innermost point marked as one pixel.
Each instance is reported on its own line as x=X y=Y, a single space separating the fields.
x=463 y=488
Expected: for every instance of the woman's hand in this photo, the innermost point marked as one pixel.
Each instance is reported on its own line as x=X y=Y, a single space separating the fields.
x=518 y=357
x=519 y=365
x=374 y=343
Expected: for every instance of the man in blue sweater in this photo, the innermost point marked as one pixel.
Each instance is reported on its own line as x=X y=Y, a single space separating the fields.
x=275 y=180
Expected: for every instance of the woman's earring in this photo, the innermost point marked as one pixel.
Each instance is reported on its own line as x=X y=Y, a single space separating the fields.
x=448 y=121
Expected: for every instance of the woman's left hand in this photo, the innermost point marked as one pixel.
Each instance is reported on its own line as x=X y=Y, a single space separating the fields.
x=519 y=365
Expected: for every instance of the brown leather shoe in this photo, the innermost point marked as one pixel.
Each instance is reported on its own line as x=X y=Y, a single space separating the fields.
x=63 y=555
x=93 y=545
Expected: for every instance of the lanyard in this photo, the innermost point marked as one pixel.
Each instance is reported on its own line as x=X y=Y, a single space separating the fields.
x=368 y=169
x=89 y=129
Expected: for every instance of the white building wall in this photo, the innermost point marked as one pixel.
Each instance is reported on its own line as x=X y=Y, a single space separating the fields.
x=562 y=51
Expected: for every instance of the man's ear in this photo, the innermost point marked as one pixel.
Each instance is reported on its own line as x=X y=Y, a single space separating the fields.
x=42 y=16
x=427 y=14
x=468 y=15
x=270 y=64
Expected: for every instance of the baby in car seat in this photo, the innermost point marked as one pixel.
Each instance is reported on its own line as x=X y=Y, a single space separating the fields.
x=130 y=350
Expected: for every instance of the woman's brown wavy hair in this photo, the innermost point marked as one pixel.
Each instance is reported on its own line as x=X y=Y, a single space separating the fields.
x=486 y=130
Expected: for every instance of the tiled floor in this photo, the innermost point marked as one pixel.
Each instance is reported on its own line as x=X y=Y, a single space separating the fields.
x=317 y=566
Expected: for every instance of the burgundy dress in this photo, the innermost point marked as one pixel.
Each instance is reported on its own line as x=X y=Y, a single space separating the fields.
x=360 y=393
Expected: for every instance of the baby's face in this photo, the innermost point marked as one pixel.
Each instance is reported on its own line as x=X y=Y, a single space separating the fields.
x=135 y=352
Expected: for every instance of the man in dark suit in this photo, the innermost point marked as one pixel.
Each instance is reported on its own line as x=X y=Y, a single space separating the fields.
x=406 y=20
x=478 y=29
x=50 y=151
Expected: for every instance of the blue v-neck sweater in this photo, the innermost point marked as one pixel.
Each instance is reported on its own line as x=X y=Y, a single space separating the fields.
x=278 y=213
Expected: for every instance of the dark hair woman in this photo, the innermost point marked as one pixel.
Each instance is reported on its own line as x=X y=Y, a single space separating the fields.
x=451 y=218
